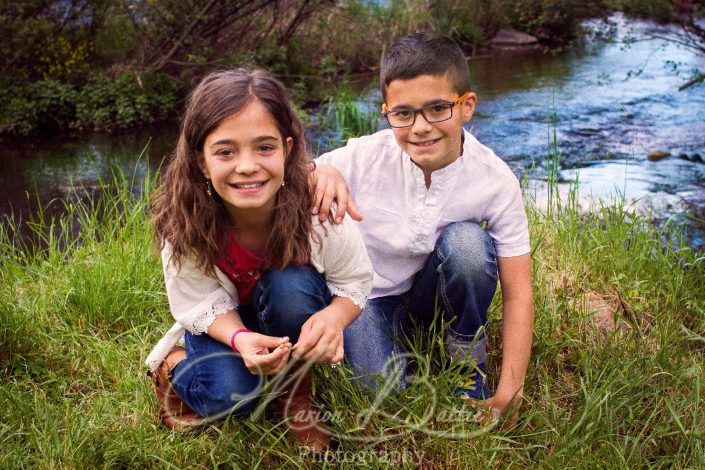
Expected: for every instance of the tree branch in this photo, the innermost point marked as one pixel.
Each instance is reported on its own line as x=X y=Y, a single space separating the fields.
x=165 y=59
x=699 y=79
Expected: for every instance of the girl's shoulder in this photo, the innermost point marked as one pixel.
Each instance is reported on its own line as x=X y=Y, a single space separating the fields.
x=329 y=229
x=329 y=235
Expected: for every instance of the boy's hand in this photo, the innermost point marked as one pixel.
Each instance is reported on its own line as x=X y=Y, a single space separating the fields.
x=263 y=355
x=506 y=412
x=328 y=186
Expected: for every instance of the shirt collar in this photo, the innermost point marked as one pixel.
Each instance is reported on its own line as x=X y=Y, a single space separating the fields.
x=443 y=174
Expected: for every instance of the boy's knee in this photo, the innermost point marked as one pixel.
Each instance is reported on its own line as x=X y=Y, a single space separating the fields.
x=467 y=249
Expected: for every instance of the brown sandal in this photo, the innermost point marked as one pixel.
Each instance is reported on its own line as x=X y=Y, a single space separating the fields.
x=174 y=413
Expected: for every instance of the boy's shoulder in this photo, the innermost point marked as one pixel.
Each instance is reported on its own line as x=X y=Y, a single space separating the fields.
x=367 y=146
x=480 y=158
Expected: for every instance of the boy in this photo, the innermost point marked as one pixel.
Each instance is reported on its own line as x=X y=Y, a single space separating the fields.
x=425 y=187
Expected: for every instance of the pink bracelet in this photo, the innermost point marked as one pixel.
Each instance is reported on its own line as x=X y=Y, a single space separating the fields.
x=232 y=337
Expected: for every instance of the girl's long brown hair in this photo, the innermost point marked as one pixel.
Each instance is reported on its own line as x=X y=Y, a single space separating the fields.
x=196 y=224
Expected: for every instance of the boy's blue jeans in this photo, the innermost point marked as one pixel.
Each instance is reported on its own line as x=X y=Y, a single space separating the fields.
x=213 y=380
x=462 y=272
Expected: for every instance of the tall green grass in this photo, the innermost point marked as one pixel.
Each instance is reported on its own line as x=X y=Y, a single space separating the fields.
x=344 y=116
x=80 y=310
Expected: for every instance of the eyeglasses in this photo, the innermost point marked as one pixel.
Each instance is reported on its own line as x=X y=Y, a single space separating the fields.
x=436 y=112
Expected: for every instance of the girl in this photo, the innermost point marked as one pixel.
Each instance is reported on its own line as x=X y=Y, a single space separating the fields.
x=248 y=270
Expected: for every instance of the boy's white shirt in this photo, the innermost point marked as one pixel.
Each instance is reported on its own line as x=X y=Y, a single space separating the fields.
x=196 y=298
x=403 y=219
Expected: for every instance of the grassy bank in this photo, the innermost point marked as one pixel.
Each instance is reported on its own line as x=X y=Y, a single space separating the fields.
x=616 y=376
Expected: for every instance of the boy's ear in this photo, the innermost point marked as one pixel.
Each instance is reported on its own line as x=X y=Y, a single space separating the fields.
x=468 y=107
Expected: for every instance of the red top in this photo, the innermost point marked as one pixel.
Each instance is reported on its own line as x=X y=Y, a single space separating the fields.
x=241 y=267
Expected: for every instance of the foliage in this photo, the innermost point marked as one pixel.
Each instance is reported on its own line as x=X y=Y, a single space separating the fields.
x=127 y=100
x=81 y=307
x=62 y=46
x=44 y=105
x=344 y=117
x=103 y=103
x=659 y=10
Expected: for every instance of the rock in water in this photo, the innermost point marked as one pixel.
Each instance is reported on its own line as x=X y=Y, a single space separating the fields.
x=656 y=155
x=512 y=37
x=696 y=158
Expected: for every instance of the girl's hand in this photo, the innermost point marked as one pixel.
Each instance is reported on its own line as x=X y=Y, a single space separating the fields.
x=321 y=338
x=263 y=355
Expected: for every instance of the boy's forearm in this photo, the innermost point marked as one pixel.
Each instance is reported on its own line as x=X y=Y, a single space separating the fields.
x=517 y=336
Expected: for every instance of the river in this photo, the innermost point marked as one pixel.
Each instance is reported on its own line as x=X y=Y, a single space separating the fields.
x=608 y=106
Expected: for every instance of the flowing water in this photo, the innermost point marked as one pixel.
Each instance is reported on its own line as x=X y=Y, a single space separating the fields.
x=607 y=107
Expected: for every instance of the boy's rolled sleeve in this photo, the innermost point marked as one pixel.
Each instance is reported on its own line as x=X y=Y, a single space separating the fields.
x=507 y=223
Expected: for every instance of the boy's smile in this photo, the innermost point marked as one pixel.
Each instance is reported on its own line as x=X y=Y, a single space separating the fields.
x=431 y=146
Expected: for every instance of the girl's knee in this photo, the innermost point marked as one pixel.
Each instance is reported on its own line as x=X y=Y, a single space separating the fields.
x=286 y=298
x=237 y=397
x=291 y=280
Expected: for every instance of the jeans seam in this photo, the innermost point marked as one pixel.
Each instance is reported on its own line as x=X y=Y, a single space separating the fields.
x=470 y=337
x=195 y=382
x=263 y=319
x=450 y=311
x=398 y=330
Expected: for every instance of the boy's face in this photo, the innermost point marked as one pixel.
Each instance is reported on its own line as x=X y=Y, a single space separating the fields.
x=435 y=145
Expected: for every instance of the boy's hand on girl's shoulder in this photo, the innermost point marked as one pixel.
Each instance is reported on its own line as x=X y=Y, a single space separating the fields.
x=328 y=185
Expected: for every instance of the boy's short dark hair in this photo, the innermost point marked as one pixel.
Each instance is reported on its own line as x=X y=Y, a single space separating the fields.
x=425 y=54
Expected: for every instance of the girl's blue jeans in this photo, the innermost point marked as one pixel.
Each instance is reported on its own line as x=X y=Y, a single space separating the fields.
x=213 y=380
x=459 y=280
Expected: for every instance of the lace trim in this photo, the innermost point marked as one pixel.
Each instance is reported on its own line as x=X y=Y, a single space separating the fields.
x=356 y=296
x=203 y=320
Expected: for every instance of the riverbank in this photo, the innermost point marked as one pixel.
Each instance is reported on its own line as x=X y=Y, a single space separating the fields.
x=615 y=380
x=109 y=66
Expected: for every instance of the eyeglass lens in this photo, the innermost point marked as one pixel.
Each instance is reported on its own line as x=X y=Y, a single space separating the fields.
x=431 y=113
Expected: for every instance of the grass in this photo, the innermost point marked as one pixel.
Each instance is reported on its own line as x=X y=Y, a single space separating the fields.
x=344 y=117
x=82 y=306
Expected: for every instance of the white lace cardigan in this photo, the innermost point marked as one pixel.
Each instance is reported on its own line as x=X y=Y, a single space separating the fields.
x=196 y=298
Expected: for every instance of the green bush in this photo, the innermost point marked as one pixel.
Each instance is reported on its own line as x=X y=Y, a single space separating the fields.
x=103 y=103
x=45 y=105
x=659 y=10
x=128 y=100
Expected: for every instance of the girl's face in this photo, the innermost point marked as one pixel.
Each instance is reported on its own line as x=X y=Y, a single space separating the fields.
x=244 y=159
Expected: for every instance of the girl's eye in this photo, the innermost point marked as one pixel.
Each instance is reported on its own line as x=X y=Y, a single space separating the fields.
x=224 y=153
x=266 y=148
